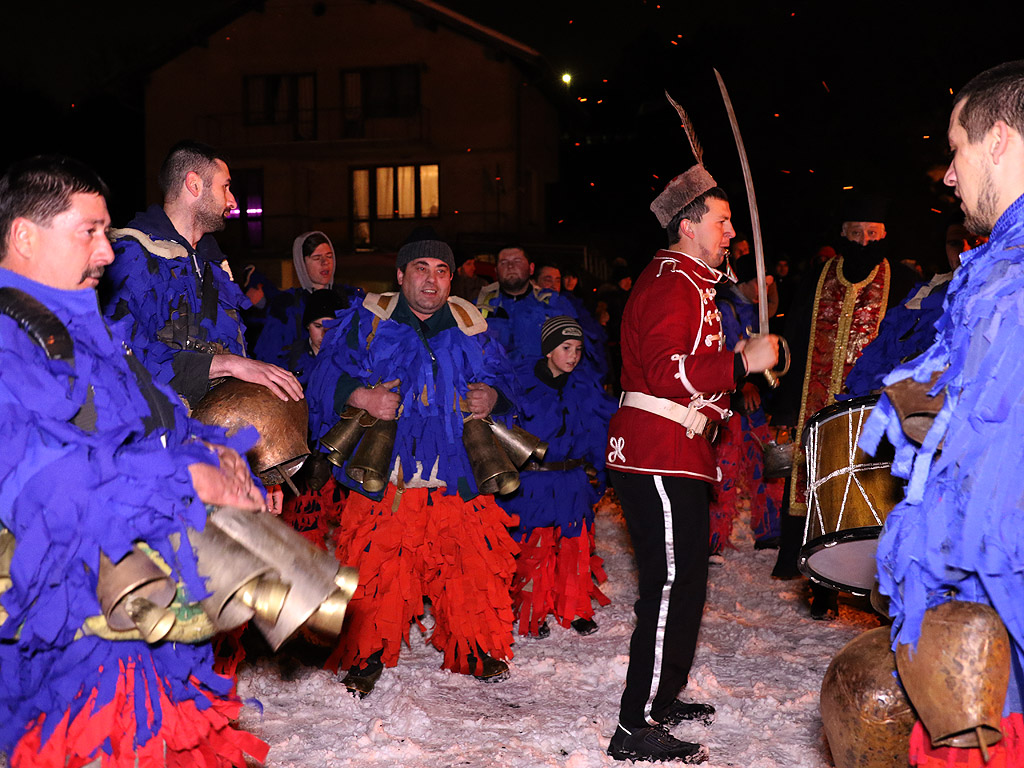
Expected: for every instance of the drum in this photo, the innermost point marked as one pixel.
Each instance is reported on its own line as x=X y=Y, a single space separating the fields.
x=849 y=495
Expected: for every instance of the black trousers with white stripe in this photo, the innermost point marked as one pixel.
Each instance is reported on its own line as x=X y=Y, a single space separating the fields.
x=668 y=523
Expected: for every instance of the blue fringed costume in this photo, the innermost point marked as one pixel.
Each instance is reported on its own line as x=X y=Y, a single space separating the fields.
x=84 y=469
x=959 y=534
x=431 y=534
x=557 y=571
x=183 y=302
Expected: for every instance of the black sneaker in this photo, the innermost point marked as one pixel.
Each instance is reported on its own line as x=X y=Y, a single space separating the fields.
x=678 y=711
x=654 y=743
x=543 y=630
x=360 y=680
x=584 y=626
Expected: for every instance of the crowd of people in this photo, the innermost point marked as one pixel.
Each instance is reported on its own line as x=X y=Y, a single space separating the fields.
x=112 y=337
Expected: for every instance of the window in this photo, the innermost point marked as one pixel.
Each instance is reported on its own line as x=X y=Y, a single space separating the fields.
x=393 y=192
x=288 y=100
x=247 y=187
x=380 y=92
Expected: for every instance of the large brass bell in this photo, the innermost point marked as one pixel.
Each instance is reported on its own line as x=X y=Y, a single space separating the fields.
x=342 y=438
x=958 y=675
x=240 y=583
x=866 y=715
x=492 y=469
x=371 y=462
x=281 y=424
x=519 y=445
x=319 y=590
x=134 y=594
x=6 y=556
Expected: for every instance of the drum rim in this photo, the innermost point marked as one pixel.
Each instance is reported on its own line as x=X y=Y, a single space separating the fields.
x=828 y=540
x=842 y=406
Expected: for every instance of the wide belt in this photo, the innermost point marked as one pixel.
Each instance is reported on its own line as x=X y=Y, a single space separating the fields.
x=695 y=422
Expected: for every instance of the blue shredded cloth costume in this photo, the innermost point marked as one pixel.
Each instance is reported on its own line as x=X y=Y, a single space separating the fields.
x=66 y=493
x=435 y=361
x=284 y=339
x=430 y=533
x=959 y=534
x=515 y=323
x=149 y=281
x=567 y=413
x=907 y=330
x=556 y=570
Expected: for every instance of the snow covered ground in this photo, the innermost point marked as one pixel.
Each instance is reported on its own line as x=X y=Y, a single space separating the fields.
x=760 y=661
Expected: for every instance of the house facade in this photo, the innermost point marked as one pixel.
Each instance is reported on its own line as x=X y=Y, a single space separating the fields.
x=364 y=120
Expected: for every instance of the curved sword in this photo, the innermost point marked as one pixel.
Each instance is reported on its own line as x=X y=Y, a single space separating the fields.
x=755 y=225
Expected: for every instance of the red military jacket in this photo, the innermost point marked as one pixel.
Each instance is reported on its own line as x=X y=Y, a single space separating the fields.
x=673 y=348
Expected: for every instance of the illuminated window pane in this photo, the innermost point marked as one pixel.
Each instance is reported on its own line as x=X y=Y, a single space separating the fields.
x=385 y=193
x=406 y=191
x=430 y=200
x=361 y=194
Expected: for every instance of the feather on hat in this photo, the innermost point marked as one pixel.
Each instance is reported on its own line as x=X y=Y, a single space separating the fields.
x=688 y=185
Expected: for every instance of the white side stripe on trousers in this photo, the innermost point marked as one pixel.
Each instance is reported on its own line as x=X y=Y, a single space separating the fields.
x=670 y=564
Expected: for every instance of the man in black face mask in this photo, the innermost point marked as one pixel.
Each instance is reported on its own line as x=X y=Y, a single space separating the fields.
x=834 y=316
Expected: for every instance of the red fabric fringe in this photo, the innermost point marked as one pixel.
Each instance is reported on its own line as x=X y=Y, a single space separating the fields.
x=558 y=576
x=1008 y=753
x=420 y=543
x=314 y=513
x=187 y=738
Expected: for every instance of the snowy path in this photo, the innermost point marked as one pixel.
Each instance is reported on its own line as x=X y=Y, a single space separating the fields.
x=760 y=661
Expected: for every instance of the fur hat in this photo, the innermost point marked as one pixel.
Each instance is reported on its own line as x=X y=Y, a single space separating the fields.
x=688 y=185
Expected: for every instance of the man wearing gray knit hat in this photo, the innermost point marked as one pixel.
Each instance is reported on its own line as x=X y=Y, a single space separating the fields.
x=676 y=378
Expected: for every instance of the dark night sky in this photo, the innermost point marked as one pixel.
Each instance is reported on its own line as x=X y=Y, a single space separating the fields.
x=846 y=90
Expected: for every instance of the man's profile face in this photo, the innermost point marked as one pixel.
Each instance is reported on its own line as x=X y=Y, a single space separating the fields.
x=550 y=279
x=971 y=178
x=71 y=252
x=711 y=235
x=425 y=284
x=216 y=201
x=513 y=269
x=863 y=232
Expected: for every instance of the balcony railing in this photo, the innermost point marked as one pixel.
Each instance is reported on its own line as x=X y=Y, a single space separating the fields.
x=311 y=126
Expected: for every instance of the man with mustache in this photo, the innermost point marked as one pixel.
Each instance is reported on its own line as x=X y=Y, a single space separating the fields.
x=170 y=276
x=97 y=461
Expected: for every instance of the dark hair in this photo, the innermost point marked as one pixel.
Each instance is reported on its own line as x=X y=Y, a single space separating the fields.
x=539 y=265
x=313 y=242
x=184 y=157
x=694 y=212
x=40 y=188
x=995 y=94
x=513 y=246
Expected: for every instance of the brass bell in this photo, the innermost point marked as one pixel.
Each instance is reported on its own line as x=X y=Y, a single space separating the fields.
x=519 y=444
x=866 y=715
x=134 y=576
x=231 y=573
x=492 y=469
x=281 y=424
x=343 y=437
x=312 y=575
x=371 y=463
x=959 y=673
x=152 y=621
x=265 y=596
x=330 y=615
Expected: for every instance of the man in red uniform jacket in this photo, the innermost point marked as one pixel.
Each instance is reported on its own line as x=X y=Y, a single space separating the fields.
x=676 y=376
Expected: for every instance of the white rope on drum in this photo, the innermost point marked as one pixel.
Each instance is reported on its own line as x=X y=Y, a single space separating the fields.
x=851 y=472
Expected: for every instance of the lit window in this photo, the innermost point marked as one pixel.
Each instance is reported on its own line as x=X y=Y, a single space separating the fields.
x=393 y=192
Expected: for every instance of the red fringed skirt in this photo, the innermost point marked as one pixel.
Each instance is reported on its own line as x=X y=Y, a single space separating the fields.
x=188 y=736
x=421 y=543
x=558 y=576
x=1008 y=753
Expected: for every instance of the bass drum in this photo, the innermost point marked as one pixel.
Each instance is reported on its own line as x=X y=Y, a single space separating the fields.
x=849 y=495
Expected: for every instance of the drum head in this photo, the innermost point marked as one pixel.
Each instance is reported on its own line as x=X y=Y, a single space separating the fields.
x=844 y=560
